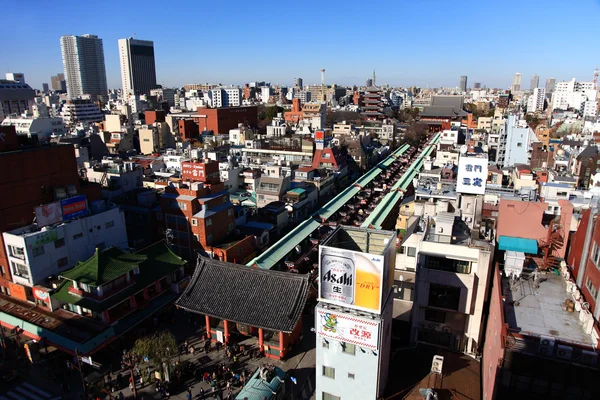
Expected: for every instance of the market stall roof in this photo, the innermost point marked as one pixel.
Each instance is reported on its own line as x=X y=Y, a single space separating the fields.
x=262 y=298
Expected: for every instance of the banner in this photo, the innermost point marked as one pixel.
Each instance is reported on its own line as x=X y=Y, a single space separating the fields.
x=348 y=328
x=44 y=237
x=74 y=207
x=48 y=214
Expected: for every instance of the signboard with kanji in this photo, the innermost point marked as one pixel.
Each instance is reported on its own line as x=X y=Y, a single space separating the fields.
x=472 y=174
x=348 y=328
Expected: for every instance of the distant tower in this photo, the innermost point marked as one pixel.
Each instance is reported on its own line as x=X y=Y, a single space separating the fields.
x=323 y=97
x=463 y=83
x=535 y=82
x=374 y=80
x=596 y=79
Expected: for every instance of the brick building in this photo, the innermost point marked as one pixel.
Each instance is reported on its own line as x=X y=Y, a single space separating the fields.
x=30 y=176
x=154 y=116
x=198 y=216
x=188 y=129
x=222 y=120
x=294 y=116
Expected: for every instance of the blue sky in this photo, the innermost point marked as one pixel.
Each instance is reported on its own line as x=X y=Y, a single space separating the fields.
x=408 y=42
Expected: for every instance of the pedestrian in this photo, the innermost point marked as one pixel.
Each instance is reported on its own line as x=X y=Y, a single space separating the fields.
x=192 y=350
x=141 y=382
x=148 y=370
x=207 y=346
x=131 y=386
x=201 y=395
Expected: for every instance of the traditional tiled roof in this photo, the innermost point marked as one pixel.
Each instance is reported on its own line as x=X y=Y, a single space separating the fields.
x=265 y=299
x=103 y=267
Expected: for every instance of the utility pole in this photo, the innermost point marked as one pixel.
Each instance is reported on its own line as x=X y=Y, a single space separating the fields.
x=80 y=373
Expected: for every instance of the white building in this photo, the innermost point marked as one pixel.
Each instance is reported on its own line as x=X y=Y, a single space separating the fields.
x=535 y=102
x=265 y=93
x=35 y=254
x=352 y=344
x=452 y=275
x=514 y=143
x=36 y=128
x=115 y=178
x=83 y=60
x=572 y=94
x=225 y=97
x=80 y=110
x=516 y=83
x=138 y=71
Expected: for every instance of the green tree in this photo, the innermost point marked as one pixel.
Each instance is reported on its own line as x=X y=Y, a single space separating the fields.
x=272 y=112
x=158 y=348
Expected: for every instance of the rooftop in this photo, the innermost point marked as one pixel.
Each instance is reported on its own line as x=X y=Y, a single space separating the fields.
x=539 y=311
x=103 y=267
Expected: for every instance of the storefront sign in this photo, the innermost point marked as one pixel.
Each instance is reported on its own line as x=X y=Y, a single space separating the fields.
x=472 y=174
x=74 y=207
x=40 y=294
x=48 y=214
x=347 y=328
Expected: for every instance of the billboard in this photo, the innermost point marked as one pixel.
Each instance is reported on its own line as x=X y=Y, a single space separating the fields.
x=48 y=214
x=74 y=207
x=348 y=328
x=193 y=171
x=354 y=279
x=472 y=174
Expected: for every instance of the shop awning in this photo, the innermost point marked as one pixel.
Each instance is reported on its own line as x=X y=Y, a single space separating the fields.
x=522 y=245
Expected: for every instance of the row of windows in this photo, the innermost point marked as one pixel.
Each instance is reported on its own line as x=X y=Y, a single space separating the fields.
x=591 y=288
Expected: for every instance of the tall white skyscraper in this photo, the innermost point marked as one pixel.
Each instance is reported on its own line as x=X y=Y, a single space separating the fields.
x=138 y=71
x=550 y=83
x=535 y=82
x=516 y=83
x=83 y=60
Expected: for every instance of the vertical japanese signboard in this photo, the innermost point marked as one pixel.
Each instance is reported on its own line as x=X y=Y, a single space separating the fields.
x=472 y=174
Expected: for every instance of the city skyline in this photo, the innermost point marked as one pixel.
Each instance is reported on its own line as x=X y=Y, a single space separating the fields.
x=36 y=53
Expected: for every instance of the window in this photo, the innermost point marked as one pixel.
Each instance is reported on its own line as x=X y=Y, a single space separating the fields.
x=196 y=237
x=182 y=206
x=159 y=216
x=348 y=348
x=401 y=250
x=231 y=226
x=36 y=251
x=448 y=264
x=146 y=140
x=590 y=287
x=329 y=372
x=19 y=270
x=443 y=296
x=59 y=243
x=17 y=252
x=411 y=251
x=350 y=375
x=194 y=222
x=595 y=253
x=77 y=236
x=208 y=222
x=109 y=224
x=519 y=144
x=435 y=316
x=209 y=239
x=327 y=396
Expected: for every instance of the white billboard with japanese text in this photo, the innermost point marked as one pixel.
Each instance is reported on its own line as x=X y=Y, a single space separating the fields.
x=472 y=174
x=348 y=328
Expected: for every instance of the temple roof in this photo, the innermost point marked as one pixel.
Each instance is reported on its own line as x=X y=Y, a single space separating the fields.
x=261 y=298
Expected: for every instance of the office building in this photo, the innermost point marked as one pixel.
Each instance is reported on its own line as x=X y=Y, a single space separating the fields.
x=298 y=83
x=353 y=317
x=573 y=95
x=16 y=96
x=550 y=83
x=477 y=85
x=516 y=83
x=138 y=70
x=463 y=83
x=45 y=88
x=83 y=60
x=58 y=82
x=535 y=82
x=225 y=97
x=80 y=110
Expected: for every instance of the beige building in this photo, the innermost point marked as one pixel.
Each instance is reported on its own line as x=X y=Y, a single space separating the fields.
x=155 y=137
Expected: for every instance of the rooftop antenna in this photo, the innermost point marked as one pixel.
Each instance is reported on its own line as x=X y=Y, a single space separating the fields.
x=595 y=78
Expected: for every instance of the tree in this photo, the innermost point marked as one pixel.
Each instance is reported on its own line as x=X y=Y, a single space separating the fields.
x=272 y=112
x=158 y=348
x=416 y=134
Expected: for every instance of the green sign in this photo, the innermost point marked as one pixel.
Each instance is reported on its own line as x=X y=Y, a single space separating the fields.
x=45 y=237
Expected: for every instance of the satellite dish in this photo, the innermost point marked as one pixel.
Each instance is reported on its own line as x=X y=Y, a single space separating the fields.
x=463 y=149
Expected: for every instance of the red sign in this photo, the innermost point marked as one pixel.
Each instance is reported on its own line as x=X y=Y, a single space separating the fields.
x=40 y=294
x=193 y=171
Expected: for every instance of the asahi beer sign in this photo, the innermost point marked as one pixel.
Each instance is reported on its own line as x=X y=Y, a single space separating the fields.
x=351 y=278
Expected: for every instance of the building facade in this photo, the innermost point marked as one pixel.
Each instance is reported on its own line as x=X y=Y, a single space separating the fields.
x=138 y=70
x=85 y=71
